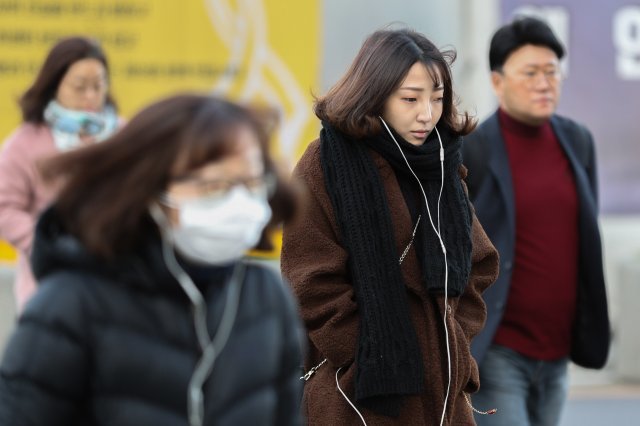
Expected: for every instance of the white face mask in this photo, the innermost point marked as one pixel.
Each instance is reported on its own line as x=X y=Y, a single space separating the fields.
x=221 y=229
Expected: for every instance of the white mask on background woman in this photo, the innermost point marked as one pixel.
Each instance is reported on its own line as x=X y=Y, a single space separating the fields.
x=218 y=230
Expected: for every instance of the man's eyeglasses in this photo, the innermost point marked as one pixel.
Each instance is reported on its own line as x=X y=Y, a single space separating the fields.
x=531 y=76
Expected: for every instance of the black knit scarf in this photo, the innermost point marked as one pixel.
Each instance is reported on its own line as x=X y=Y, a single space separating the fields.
x=388 y=357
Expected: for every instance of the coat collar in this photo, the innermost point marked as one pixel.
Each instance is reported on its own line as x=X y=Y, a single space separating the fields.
x=568 y=145
x=499 y=166
x=55 y=250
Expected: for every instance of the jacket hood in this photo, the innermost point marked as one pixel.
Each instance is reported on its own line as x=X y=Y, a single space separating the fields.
x=55 y=250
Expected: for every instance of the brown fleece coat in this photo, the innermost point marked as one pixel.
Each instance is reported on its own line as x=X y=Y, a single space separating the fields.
x=315 y=263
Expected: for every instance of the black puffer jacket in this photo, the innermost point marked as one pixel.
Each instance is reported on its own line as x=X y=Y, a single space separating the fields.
x=114 y=344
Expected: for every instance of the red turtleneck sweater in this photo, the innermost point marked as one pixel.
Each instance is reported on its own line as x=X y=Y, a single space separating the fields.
x=540 y=309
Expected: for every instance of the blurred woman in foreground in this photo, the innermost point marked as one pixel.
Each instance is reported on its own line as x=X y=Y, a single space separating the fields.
x=147 y=313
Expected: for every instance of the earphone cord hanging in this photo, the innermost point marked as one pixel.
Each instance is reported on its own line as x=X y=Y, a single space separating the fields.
x=437 y=230
x=444 y=251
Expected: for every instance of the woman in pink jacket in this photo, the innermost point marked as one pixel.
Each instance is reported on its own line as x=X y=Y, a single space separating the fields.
x=68 y=105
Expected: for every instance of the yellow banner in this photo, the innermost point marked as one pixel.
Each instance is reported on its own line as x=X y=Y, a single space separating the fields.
x=252 y=50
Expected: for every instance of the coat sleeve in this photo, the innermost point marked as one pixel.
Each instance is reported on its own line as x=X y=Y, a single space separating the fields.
x=44 y=368
x=16 y=195
x=315 y=264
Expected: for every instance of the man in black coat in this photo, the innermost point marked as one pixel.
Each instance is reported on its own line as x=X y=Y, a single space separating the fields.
x=532 y=180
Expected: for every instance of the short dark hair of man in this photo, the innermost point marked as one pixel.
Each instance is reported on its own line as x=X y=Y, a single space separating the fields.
x=521 y=31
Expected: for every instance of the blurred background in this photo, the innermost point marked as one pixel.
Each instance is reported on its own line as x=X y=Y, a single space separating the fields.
x=282 y=52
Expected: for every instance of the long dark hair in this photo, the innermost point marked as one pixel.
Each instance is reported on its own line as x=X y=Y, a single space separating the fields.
x=357 y=99
x=108 y=187
x=64 y=54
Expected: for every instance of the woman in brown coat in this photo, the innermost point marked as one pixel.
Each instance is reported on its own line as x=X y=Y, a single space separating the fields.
x=388 y=260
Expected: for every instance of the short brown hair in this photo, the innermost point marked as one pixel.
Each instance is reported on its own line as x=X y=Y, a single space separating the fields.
x=60 y=58
x=354 y=103
x=109 y=186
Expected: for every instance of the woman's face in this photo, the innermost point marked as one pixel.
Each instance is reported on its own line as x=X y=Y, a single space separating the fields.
x=84 y=87
x=414 y=108
x=242 y=166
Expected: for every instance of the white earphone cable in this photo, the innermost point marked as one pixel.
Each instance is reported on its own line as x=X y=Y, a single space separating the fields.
x=446 y=281
x=345 y=397
x=444 y=251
